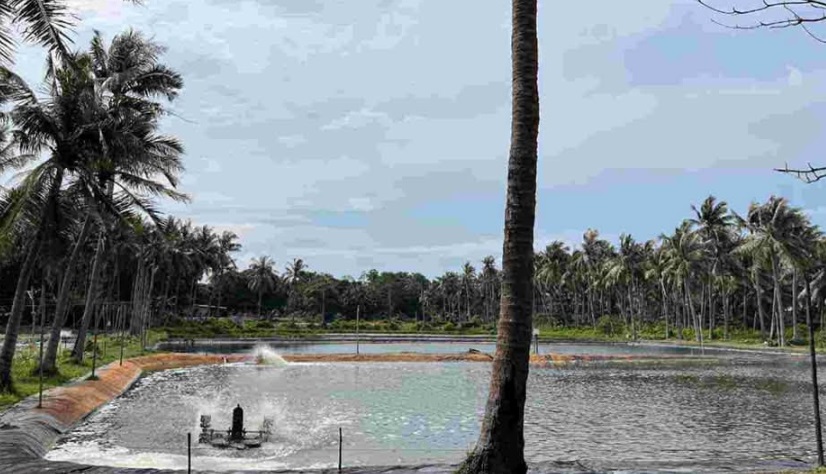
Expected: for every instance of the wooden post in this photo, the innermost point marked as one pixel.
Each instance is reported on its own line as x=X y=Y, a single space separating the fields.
x=189 y=453
x=358 y=310
x=339 y=449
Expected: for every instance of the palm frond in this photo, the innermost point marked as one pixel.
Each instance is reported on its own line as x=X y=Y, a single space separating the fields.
x=46 y=22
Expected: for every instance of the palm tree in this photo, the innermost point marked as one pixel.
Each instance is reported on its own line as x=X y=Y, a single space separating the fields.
x=226 y=246
x=294 y=275
x=262 y=277
x=656 y=271
x=775 y=237
x=127 y=78
x=468 y=277
x=57 y=125
x=715 y=225
x=501 y=443
x=46 y=22
x=489 y=275
x=621 y=272
x=686 y=254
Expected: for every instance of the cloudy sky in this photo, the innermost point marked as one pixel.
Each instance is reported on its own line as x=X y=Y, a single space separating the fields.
x=374 y=134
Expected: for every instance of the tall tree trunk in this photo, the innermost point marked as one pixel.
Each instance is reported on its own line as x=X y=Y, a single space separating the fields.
x=91 y=297
x=47 y=217
x=794 y=305
x=815 y=386
x=664 y=296
x=50 y=358
x=137 y=292
x=760 y=311
x=712 y=311
x=745 y=308
x=500 y=448
x=679 y=312
x=780 y=310
x=697 y=328
x=726 y=307
x=18 y=304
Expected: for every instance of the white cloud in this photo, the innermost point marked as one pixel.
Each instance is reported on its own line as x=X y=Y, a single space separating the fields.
x=357 y=119
x=241 y=230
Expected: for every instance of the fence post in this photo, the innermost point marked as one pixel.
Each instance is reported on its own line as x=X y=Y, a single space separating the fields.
x=358 y=310
x=339 y=449
x=189 y=453
x=122 y=318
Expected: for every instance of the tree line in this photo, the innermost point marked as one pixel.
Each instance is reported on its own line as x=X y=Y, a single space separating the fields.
x=715 y=271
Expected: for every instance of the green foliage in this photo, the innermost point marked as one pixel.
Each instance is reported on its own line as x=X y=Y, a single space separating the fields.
x=608 y=326
x=26 y=378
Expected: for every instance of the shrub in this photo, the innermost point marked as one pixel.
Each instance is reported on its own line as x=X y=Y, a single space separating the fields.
x=606 y=326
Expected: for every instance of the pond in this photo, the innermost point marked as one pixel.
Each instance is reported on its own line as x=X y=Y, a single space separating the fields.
x=701 y=418
x=284 y=347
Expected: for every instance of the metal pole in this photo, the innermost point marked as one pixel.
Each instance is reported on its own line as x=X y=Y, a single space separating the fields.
x=358 y=310
x=339 y=449
x=189 y=453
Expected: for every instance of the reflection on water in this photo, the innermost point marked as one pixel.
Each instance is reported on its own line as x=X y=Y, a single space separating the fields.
x=698 y=418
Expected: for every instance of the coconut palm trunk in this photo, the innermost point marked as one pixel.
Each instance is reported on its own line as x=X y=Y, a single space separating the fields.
x=815 y=386
x=794 y=305
x=698 y=329
x=500 y=448
x=91 y=298
x=760 y=311
x=19 y=302
x=49 y=362
x=781 y=326
x=13 y=326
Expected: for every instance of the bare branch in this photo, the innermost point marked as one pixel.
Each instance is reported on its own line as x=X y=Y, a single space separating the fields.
x=811 y=175
x=815 y=12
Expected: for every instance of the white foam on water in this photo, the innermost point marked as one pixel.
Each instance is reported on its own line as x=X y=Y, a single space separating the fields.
x=97 y=455
x=265 y=355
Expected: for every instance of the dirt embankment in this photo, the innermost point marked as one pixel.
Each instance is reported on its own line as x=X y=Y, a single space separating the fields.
x=71 y=403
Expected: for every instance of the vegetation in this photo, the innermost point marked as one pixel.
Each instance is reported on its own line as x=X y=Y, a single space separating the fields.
x=26 y=378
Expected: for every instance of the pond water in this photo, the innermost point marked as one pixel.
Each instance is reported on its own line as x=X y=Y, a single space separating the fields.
x=729 y=416
x=441 y=348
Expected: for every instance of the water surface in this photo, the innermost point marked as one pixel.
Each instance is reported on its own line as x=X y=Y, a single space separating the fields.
x=725 y=417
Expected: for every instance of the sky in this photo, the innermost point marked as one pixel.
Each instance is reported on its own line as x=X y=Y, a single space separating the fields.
x=374 y=134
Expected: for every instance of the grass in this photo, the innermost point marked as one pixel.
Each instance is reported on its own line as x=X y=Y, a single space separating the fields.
x=608 y=329
x=26 y=379
x=223 y=327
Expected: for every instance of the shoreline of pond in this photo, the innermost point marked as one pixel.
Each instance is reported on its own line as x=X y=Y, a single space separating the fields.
x=171 y=344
